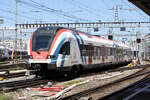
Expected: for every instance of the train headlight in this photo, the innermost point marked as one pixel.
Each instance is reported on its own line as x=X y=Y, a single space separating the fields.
x=48 y=57
x=31 y=57
x=51 y=56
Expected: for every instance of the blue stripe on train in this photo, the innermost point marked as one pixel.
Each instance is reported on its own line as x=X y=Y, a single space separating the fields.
x=82 y=43
x=56 y=53
x=78 y=44
x=62 y=61
x=63 y=58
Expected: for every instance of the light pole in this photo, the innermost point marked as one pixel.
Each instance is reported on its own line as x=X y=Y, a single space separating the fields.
x=21 y=43
x=138 y=41
x=3 y=30
x=15 y=40
x=1 y=22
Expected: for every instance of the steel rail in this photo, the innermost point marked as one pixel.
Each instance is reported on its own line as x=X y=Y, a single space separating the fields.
x=13 y=85
x=128 y=68
x=7 y=66
x=94 y=89
x=14 y=75
x=138 y=83
x=121 y=69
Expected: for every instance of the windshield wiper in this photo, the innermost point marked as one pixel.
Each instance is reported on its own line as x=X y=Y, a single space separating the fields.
x=37 y=51
x=41 y=49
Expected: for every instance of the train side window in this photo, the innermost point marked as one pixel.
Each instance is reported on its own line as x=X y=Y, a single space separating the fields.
x=124 y=52
x=101 y=51
x=98 y=52
x=108 y=50
x=114 y=51
x=90 y=50
x=94 y=52
x=111 y=51
x=65 y=49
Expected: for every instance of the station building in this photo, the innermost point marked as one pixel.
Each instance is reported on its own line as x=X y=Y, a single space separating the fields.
x=21 y=44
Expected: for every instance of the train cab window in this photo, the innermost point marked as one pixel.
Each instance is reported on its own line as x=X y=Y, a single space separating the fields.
x=65 y=49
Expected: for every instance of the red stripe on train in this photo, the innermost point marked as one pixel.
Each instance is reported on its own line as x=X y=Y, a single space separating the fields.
x=31 y=44
x=57 y=35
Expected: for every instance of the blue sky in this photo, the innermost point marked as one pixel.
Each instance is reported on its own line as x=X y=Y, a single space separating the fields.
x=51 y=11
x=31 y=11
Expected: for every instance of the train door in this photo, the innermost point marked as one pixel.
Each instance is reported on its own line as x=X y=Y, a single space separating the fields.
x=116 y=55
x=90 y=53
x=103 y=53
x=65 y=54
x=74 y=52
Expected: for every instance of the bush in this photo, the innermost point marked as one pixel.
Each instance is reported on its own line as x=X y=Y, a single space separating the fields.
x=4 y=97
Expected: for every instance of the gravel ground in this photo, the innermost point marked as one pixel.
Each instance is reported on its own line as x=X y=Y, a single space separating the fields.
x=105 y=92
x=98 y=81
x=94 y=80
x=17 y=78
x=27 y=94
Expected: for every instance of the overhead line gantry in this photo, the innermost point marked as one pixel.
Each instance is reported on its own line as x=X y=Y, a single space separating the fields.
x=87 y=25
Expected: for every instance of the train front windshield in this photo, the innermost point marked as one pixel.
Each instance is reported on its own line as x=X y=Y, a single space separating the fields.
x=42 y=39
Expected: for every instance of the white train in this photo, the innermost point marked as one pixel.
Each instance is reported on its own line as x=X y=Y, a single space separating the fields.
x=4 y=53
x=57 y=48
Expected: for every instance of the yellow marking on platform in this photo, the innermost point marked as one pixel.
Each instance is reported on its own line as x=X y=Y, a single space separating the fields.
x=1 y=78
x=129 y=64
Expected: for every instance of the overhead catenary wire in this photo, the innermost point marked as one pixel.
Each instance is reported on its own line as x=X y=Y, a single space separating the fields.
x=81 y=6
x=106 y=5
x=37 y=7
x=136 y=9
x=50 y=10
x=59 y=11
x=95 y=12
x=8 y=21
x=10 y=12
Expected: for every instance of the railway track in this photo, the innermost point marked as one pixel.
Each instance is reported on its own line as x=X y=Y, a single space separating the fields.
x=6 y=69
x=13 y=85
x=11 y=61
x=96 y=89
x=9 y=86
x=11 y=66
x=129 y=68
x=121 y=69
x=130 y=91
x=16 y=74
x=4 y=62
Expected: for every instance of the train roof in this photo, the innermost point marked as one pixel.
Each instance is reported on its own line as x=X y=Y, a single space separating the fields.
x=108 y=41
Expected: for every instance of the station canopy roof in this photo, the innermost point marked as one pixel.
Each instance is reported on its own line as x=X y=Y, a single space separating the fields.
x=142 y=4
